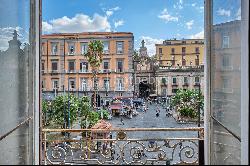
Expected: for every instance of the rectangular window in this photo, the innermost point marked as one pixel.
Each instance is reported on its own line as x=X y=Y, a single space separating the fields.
x=226 y=83
x=183 y=49
x=71 y=48
x=43 y=84
x=160 y=50
x=106 y=84
x=183 y=62
x=119 y=84
x=172 y=50
x=119 y=66
x=174 y=80
x=225 y=42
x=84 y=48
x=119 y=47
x=84 y=84
x=105 y=65
x=83 y=67
x=106 y=47
x=197 y=62
x=71 y=66
x=55 y=83
x=197 y=80
x=54 y=66
x=72 y=84
x=164 y=80
x=185 y=80
x=226 y=61
x=197 y=49
x=54 y=48
x=42 y=66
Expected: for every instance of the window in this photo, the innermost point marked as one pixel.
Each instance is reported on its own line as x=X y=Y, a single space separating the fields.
x=197 y=80
x=84 y=67
x=72 y=84
x=84 y=48
x=172 y=50
x=55 y=84
x=197 y=61
x=174 y=80
x=119 y=47
x=71 y=48
x=106 y=47
x=119 y=66
x=105 y=65
x=54 y=65
x=54 y=48
x=226 y=83
x=183 y=49
x=119 y=84
x=84 y=83
x=106 y=84
x=226 y=61
x=185 y=80
x=225 y=42
x=43 y=84
x=160 y=50
x=164 y=92
x=71 y=66
x=184 y=62
x=42 y=66
x=164 y=80
x=183 y=42
x=197 y=49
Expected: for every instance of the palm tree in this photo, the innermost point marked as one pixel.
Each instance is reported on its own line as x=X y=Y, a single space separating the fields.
x=95 y=56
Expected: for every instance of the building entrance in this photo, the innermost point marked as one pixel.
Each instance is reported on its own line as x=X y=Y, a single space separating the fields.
x=144 y=89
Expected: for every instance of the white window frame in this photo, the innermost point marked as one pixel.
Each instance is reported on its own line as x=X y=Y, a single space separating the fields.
x=84 y=84
x=53 y=46
x=84 y=47
x=120 y=47
x=53 y=83
x=106 y=47
x=70 y=44
x=225 y=41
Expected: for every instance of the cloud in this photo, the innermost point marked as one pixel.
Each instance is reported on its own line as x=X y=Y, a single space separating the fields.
x=150 y=44
x=223 y=12
x=110 y=11
x=167 y=17
x=119 y=23
x=199 y=35
x=189 y=24
x=6 y=34
x=193 y=4
x=238 y=14
x=78 y=23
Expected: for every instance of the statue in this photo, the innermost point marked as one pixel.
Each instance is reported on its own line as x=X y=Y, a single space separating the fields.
x=142 y=43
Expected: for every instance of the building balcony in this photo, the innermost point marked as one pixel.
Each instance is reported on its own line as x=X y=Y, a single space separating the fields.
x=197 y=84
x=99 y=146
x=120 y=89
x=185 y=84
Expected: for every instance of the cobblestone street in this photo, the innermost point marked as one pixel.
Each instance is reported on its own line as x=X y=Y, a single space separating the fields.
x=149 y=120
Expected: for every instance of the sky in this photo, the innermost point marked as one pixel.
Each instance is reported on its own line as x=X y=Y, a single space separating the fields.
x=151 y=20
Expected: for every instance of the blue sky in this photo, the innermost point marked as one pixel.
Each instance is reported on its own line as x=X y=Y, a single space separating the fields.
x=151 y=20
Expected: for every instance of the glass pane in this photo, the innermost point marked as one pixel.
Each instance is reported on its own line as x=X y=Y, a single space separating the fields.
x=226 y=44
x=16 y=80
x=226 y=148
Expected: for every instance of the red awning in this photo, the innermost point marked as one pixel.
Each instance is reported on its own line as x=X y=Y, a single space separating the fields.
x=116 y=107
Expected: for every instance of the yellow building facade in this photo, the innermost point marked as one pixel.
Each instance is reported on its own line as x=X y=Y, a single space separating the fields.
x=65 y=68
x=186 y=52
x=181 y=66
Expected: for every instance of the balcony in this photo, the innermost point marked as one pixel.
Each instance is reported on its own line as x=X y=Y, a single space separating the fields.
x=120 y=89
x=185 y=84
x=174 y=84
x=128 y=146
x=196 y=84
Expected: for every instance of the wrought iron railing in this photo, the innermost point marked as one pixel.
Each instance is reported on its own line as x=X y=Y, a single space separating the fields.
x=154 y=146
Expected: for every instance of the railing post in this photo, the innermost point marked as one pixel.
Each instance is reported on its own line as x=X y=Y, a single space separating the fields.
x=201 y=147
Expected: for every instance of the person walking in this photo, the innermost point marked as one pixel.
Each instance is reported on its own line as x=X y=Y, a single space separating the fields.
x=122 y=121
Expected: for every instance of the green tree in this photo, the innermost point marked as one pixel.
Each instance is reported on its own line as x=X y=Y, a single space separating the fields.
x=95 y=56
x=62 y=105
x=46 y=115
x=187 y=102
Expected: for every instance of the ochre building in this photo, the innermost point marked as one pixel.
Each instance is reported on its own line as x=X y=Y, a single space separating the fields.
x=66 y=69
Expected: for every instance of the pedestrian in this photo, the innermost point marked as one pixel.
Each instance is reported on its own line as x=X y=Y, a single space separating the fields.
x=122 y=121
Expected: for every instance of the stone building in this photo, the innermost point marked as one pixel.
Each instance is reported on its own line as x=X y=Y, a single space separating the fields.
x=65 y=68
